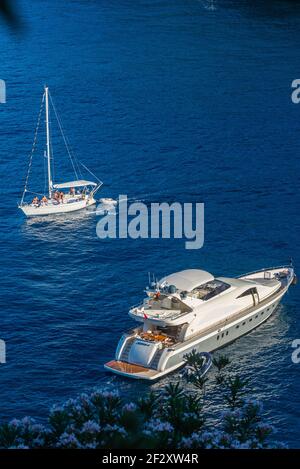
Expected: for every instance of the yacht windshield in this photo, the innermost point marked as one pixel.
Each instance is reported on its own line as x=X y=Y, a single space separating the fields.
x=209 y=290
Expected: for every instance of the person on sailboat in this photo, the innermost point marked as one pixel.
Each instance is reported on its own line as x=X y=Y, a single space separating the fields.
x=35 y=201
x=61 y=197
x=56 y=196
x=44 y=200
x=72 y=191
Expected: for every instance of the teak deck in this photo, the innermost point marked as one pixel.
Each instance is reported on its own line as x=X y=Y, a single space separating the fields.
x=126 y=367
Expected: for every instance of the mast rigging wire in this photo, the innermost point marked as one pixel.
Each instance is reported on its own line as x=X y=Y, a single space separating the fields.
x=33 y=147
x=71 y=156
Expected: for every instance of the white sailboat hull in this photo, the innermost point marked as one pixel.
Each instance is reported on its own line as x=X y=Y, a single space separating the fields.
x=56 y=209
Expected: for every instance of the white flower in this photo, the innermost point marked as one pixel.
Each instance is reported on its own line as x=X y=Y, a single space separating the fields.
x=115 y=429
x=68 y=440
x=156 y=425
x=130 y=407
x=91 y=427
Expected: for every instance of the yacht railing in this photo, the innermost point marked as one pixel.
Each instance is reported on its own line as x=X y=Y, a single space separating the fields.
x=133 y=331
x=284 y=266
x=170 y=313
x=159 y=314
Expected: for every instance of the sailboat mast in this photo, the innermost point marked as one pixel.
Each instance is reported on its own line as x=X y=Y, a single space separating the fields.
x=48 y=141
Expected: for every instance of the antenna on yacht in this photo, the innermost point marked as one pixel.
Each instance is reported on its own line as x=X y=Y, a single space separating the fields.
x=153 y=282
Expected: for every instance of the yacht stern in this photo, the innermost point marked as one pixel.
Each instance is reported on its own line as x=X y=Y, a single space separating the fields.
x=131 y=370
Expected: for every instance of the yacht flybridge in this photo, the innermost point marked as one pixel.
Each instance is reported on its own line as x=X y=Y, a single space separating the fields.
x=61 y=197
x=193 y=310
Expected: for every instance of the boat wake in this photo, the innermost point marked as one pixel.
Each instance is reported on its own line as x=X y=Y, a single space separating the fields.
x=209 y=5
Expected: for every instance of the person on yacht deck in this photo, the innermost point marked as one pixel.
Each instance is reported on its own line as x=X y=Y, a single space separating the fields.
x=61 y=197
x=72 y=191
x=35 y=201
x=44 y=200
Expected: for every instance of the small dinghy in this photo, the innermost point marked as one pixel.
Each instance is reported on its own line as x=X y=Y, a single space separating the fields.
x=108 y=201
x=106 y=206
x=207 y=362
x=62 y=197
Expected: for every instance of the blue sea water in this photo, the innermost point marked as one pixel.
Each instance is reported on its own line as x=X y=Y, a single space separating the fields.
x=184 y=101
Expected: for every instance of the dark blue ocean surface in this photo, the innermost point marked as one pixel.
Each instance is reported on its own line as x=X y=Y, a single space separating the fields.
x=184 y=101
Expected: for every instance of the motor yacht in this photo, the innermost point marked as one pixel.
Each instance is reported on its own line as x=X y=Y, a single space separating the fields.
x=193 y=310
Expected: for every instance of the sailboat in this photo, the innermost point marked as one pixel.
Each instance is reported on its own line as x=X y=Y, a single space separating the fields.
x=61 y=197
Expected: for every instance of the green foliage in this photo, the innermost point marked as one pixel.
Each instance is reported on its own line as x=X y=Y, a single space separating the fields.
x=220 y=362
x=198 y=381
x=194 y=359
x=172 y=417
x=194 y=369
x=7 y=10
x=148 y=403
x=236 y=388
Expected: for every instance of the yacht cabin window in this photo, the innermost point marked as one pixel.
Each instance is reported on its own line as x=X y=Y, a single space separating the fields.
x=250 y=291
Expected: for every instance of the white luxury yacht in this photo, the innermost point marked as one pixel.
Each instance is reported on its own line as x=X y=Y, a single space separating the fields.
x=63 y=197
x=193 y=310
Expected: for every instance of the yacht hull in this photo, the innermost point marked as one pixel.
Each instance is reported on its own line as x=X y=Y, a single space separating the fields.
x=209 y=343
x=42 y=210
x=216 y=337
